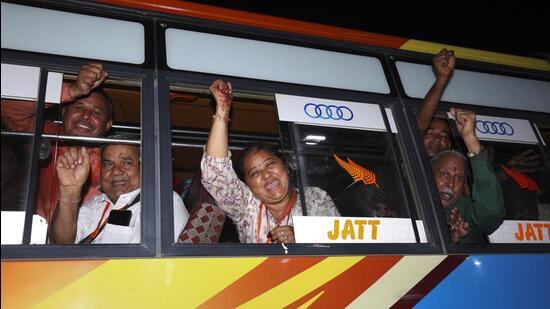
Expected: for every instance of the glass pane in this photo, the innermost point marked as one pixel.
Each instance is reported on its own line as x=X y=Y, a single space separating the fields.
x=16 y=163
x=355 y=168
x=357 y=171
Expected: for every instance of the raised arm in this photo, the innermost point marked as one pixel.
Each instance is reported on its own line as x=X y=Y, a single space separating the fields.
x=444 y=64
x=216 y=145
x=488 y=202
x=465 y=122
x=73 y=168
x=91 y=76
x=20 y=116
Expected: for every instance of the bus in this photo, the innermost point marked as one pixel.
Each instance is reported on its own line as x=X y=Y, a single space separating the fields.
x=328 y=98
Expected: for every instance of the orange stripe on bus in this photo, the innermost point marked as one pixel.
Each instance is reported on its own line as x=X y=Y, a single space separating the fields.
x=184 y=8
x=343 y=289
x=29 y=282
x=264 y=277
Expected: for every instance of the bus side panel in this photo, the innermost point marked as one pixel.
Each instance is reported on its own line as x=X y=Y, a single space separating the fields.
x=373 y=281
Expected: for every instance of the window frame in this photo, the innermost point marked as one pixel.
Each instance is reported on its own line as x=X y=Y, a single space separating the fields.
x=147 y=247
x=169 y=248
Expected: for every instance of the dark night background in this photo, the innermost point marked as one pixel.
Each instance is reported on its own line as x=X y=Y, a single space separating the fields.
x=519 y=28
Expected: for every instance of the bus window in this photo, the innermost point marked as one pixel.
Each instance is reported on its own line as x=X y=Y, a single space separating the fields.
x=520 y=169
x=85 y=117
x=17 y=143
x=543 y=197
x=524 y=175
x=346 y=160
x=253 y=119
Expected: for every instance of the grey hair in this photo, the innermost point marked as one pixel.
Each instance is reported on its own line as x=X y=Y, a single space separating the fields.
x=127 y=137
x=454 y=152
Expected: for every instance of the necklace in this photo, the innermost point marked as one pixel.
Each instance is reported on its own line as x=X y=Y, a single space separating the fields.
x=286 y=213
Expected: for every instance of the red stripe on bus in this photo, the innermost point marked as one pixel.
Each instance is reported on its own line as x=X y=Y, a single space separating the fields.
x=343 y=289
x=430 y=281
x=184 y=8
x=270 y=273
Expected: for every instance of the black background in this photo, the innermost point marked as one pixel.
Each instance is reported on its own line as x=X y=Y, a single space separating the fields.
x=519 y=28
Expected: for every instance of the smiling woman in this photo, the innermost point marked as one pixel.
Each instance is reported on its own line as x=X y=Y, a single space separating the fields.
x=263 y=206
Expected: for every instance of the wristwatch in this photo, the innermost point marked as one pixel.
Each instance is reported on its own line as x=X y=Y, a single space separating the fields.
x=473 y=154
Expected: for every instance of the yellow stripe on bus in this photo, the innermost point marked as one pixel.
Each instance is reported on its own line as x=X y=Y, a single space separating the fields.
x=151 y=283
x=478 y=55
x=303 y=283
x=397 y=281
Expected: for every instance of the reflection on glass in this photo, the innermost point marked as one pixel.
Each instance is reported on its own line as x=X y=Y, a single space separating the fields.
x=355 y=168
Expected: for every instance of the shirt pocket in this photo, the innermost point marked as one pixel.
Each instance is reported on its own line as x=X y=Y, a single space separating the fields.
x=117 y=234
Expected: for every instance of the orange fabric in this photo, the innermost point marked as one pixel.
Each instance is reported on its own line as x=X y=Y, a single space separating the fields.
x=20 y=116
x=524 y=181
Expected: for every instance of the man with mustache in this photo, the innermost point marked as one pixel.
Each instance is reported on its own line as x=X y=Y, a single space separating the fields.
x=470 y=217
x=87 y=111
x=111 y=217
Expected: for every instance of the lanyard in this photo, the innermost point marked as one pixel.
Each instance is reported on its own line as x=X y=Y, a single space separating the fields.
x=93 y=235
x=286 y=213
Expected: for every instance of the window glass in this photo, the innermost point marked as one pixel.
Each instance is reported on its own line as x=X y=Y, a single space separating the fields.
x=348 y=167
x=16 y=150
x=504 y=197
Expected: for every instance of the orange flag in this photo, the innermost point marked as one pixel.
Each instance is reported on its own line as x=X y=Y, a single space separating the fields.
x=524 y=181
x=357 y=172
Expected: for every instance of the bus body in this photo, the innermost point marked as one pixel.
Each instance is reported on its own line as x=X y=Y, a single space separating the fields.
x=321 y=94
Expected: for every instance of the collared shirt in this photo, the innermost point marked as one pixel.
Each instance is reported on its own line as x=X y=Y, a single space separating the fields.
x=20 y=116
x=235 y=198
x=91 y=212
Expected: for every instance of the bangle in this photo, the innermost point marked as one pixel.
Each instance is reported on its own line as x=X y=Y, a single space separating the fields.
x=216 y=116
x=72 y=202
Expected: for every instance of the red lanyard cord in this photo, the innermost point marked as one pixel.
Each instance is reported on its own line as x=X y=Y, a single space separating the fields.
x=88 y=239
x=286 y=213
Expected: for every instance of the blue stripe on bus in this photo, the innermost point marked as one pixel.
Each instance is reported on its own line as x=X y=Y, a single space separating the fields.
x=506 y=281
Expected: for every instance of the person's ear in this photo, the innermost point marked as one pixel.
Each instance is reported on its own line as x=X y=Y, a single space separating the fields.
x=108 y=125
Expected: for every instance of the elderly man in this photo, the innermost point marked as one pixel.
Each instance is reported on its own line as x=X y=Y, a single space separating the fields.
x=87 y=111
x=470 y=217
x=111 y=217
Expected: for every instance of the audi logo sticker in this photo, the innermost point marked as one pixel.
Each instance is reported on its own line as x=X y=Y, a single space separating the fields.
x=323 y=111
x=494 y=128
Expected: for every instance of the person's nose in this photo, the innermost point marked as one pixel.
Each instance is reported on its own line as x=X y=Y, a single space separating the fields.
x=452 y=183
x=446 y=182
x=86 y=114
x=264 y=173
x=117 y=170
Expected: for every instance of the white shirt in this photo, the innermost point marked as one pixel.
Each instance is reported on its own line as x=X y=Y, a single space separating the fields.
x=91 y=212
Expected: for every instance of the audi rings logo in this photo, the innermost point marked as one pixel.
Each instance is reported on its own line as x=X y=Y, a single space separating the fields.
x=328 y=112
x=494 y=127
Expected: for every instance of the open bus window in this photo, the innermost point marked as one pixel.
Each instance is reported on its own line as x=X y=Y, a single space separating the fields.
x=253 y=119
x=110 y=185
x=112 y=109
